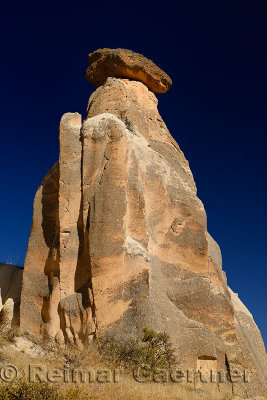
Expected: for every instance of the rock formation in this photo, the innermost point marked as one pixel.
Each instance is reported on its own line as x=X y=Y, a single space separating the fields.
x=119 y=237
x=121 y=63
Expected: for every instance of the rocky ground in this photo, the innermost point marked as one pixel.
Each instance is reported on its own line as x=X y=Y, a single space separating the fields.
x=34 y=361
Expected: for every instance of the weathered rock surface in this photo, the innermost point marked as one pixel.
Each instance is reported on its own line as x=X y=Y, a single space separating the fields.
x=122 y=63
x=119 y=242
x=56 y=280
x=250 y=340
x=10 y=292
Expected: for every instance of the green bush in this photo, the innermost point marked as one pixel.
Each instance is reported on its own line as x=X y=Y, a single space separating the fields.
x=158 y=350
x=23 y=390
x=154 y=350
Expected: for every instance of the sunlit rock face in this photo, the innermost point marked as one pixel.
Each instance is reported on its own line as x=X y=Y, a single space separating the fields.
x=119 y=242
x=123 y=63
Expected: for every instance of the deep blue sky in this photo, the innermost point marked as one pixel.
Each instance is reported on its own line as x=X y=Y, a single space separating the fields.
x=215 y=53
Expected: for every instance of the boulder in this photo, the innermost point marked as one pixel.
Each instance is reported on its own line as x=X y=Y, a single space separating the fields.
x=122 y=63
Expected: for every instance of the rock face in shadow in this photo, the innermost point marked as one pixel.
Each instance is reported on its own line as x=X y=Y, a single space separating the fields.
x=119 y=242
x=10 y=292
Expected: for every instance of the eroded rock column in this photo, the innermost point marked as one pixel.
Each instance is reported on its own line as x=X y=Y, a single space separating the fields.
x=69 y=200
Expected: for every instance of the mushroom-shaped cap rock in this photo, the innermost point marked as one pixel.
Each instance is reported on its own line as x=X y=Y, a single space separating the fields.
x=122 y=63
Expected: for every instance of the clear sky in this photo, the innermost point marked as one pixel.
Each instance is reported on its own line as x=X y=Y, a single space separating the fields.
x=215 y=53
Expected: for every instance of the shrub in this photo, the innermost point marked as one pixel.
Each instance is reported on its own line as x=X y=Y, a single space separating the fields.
x=24 y=390
x=158 y=350
x=154 y=350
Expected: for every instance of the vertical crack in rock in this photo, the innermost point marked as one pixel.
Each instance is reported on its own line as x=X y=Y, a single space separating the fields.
x=76 y=294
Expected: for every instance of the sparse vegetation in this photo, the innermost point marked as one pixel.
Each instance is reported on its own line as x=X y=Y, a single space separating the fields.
x=23 y=390
x=154 y=350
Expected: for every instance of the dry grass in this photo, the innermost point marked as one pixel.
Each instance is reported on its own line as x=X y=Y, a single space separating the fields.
x=127 y=388
x=131 y=390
